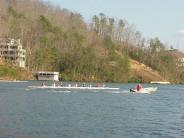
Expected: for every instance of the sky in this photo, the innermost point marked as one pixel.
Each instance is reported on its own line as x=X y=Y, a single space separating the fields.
x=153 y=18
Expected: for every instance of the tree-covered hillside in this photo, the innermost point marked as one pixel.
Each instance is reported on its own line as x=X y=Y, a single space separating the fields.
x=59 y=40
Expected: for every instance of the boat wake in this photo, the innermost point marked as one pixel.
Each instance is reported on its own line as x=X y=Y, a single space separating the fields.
x=113 y=91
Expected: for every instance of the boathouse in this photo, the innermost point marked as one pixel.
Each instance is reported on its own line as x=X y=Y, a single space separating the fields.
x=44 y=75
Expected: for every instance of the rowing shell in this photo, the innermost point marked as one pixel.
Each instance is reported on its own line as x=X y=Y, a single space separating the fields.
x=71 y=87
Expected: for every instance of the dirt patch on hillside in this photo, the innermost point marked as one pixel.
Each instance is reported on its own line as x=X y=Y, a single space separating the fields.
x=145 y=73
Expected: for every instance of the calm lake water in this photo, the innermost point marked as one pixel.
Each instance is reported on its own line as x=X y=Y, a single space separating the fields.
x=34 y=113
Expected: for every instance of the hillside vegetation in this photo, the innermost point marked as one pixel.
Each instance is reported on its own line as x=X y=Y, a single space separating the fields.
x=59 y=40
x=10 y=72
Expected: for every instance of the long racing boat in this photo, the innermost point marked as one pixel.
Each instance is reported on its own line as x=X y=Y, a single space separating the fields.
x=74 y=87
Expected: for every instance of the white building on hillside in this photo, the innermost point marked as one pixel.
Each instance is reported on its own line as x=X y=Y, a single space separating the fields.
x=11 y=50
x=179 y=56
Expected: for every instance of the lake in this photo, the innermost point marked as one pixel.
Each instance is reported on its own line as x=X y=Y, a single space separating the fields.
x=35 y=113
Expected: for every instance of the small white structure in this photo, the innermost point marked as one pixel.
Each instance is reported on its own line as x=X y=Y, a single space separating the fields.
x=44 y=75
x=160 y=82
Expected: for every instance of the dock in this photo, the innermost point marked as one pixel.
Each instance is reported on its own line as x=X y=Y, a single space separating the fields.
x=160 y=82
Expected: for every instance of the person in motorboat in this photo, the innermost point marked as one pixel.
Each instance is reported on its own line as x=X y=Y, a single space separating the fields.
x=139 y=87
x=132 y=90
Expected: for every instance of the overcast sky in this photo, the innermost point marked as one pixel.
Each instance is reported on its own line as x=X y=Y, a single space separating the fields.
x=153 y=18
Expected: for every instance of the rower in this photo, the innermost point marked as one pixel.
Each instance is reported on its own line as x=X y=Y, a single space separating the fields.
x=54 y=84
x=61 y=83
x=43 y=84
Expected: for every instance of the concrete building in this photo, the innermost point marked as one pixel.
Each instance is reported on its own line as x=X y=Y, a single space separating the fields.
x=179 y=56
x=45 y=75
x=11 y=50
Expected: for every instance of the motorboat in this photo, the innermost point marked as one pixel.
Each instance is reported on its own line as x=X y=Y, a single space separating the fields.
x=145 y=90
